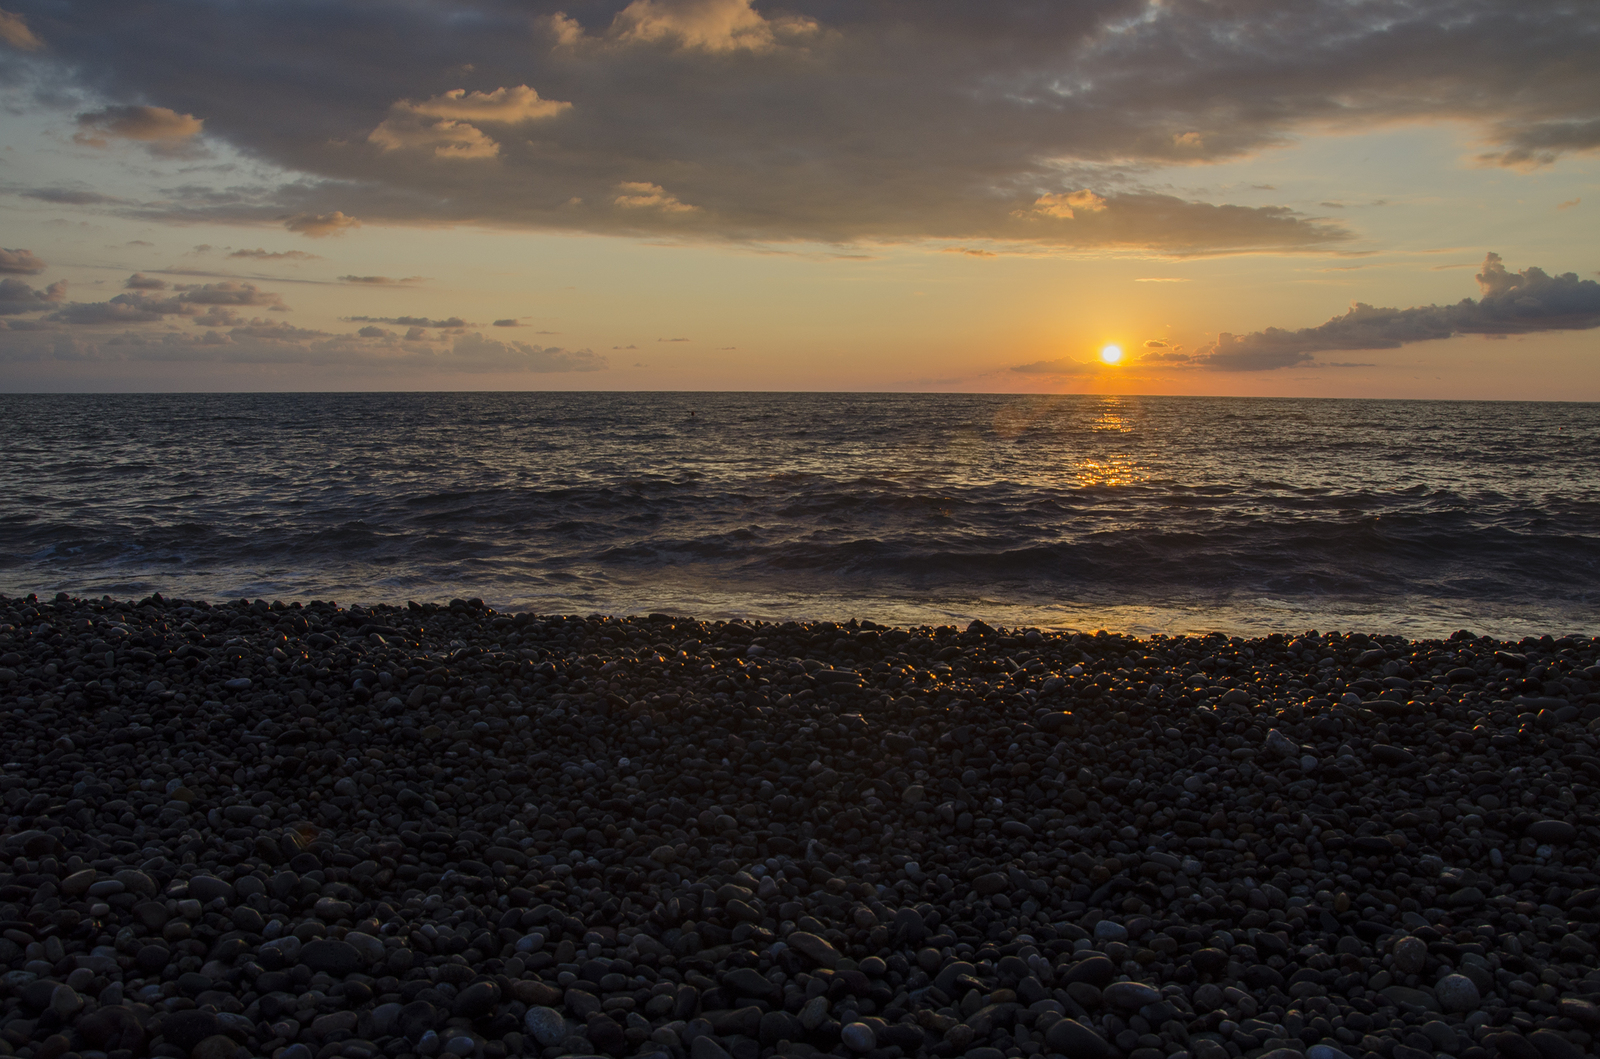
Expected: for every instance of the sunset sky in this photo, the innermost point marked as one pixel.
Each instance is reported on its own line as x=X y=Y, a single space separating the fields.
x=1385 y=198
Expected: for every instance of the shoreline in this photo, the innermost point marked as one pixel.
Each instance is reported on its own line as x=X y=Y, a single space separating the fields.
x=655 y=835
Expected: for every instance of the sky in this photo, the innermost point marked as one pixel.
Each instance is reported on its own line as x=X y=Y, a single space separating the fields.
x=1343 y=198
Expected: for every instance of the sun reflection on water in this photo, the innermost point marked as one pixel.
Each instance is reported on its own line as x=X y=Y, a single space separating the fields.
x=1113 y=470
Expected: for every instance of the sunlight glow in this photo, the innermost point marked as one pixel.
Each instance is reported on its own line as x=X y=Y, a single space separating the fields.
x=1111 y=354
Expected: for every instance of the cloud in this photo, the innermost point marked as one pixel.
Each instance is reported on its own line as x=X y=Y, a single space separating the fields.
x=159 y=128
x=1058 y=366
x=1542 y=143
x=1512 y=303
x=968 y=251
x=455 y=140
x=228 y=292
x=706 y=25
x=822 y=122
x=381 y=281
x=202 y=301
x=20 y=262
x=506 y=106
x=442 y=124
x=1161 y=279
x=261 y=341
x=639 y=195
x=17 y=296
x=672 y=340
x=15 y=32
x=407 y=321
x=317 y=225
x=474 y=352
x=278 y=255
x=1065 y=206
x=1569 y=204
x=69 y=196
x=1154 y=343
x=509 y=322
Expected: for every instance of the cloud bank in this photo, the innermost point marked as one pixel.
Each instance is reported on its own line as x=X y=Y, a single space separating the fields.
x=879 y=121
x=1512 y=303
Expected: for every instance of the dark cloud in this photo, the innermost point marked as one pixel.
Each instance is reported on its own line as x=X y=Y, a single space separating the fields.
x=511 y=322
x=20 y=262
x=186 y=299
x=69 y=196
x=276 y=255
x=17 y=296
x=1154 y=343
x=380 y=281
x=134 y=308
x=228 y=292
x=1058 y=366
x=317 y=225
x=1512 y=303
x=263 y=341
x=815 y=120
x=408 y=321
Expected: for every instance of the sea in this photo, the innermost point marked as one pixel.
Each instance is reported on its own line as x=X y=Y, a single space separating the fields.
x=1132 y=514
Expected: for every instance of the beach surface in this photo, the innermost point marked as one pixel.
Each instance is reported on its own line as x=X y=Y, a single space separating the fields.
x=308 y=831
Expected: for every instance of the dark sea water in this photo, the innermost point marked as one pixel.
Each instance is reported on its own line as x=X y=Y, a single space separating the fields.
x=1140 y=514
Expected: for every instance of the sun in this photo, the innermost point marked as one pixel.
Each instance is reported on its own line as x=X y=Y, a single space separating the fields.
x=1111 y=354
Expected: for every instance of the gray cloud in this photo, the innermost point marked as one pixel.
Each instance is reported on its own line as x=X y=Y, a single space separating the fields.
x=408 y=321
x=1058 y=366
x=69 y=196
x=276 y=255
x=20 y=262
x=262 y=341
x=816 y=120
x=1512 y=303
x=186 y=299
x=17 y=296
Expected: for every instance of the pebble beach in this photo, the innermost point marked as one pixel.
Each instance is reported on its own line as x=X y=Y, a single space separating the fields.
x=308 y=830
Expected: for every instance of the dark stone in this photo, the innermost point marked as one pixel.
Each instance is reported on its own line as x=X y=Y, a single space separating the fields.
x=1557 y=831
x=416 y=1018
x=336 y=958
x=476 y=1000
x=1096 y=970
x=1073 y=1039
x=188 y=1028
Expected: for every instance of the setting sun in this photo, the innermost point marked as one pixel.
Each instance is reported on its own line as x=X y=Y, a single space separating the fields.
x=1111 y=354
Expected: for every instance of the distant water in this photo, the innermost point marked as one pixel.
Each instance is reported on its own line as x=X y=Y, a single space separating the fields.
x=1139 y=514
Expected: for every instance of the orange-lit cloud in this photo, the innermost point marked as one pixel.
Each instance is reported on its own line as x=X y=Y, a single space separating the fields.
x=318 y=225
x=639 y=195
x=706 y=25
x=159 y=128
x=20 y=262
x=15 y=32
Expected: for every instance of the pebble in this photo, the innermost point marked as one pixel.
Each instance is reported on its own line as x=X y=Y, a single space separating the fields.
x=472 y=833
x=546 y=1025
x=858 y=1036
x=1457 y=993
